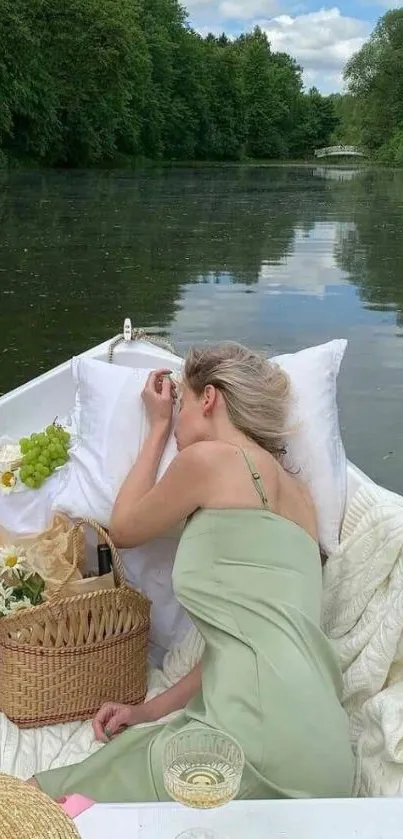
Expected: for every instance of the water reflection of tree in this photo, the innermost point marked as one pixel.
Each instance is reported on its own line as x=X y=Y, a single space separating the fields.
x=79 y=251
x=371 y=249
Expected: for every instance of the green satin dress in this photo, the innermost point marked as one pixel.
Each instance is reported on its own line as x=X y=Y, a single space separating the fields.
x=251 y=581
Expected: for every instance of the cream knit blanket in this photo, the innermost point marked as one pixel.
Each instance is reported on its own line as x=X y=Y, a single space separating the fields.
x=363 y=617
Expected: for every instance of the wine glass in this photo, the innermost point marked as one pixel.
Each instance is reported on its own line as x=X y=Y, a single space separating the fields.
x=202 y=768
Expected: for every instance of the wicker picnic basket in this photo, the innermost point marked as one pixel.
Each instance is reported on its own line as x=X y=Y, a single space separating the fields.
x=61 y=660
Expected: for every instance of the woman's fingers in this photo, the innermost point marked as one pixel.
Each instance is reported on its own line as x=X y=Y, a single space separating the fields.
x=166 y=389
x=102 y=720
x=109 y=720
x=115 y=724
x=159 y=383
x=157 y=377
x=99 y=731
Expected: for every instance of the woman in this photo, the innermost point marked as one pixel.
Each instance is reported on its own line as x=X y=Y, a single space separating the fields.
x=248 y=571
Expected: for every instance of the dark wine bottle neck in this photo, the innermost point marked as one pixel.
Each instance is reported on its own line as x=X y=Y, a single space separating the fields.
x=104 y=560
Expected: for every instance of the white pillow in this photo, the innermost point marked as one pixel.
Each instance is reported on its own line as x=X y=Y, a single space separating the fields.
x=315 y=449
x=111 y=425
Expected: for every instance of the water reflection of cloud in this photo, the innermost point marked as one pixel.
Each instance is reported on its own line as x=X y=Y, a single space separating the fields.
x=311 y=269
x=265 y=313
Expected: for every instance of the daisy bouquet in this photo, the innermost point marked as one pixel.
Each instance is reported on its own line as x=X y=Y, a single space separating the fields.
x=20 y=585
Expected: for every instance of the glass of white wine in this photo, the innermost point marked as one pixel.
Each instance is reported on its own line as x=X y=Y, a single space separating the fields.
x=202 y=769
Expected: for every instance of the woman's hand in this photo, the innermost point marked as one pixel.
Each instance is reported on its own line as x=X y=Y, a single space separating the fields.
x=159 y=396
x=112 y=718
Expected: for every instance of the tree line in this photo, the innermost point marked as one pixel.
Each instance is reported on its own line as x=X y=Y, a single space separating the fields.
x=370 y=114
x=87 y=82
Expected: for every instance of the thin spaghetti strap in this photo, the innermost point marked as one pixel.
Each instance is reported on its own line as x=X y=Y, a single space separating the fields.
x=256 y=478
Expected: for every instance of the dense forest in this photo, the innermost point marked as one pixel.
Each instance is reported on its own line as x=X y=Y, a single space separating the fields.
x=93 y=82
x=371 y=113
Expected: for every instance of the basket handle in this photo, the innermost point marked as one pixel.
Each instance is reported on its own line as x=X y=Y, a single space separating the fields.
x=118 y=569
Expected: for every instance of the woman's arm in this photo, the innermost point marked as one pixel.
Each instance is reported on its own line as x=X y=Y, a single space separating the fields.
x=114 y=717
x=158 y=397
x=182 y=489
x=142 y=476
x=176 y=697
x=143 y=509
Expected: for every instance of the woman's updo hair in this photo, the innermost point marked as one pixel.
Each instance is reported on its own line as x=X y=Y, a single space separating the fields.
x=255 y=391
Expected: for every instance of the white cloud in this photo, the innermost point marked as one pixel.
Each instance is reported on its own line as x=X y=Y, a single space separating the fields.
x=223 y=11
x=321 y=41
x=246 y=9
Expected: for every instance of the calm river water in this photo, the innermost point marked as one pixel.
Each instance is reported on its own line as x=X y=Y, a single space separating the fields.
x=275 y=257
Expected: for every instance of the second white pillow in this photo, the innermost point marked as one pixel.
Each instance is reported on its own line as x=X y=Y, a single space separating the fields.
x=315 y=450
x=111 y=426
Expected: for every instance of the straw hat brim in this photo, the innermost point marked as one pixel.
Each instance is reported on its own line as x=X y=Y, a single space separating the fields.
x=27 y=813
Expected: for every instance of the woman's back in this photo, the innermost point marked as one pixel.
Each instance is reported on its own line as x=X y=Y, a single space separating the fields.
x=230 y=486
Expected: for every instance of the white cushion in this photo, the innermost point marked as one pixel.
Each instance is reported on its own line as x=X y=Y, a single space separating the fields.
x=315 y=448
x=111 y=427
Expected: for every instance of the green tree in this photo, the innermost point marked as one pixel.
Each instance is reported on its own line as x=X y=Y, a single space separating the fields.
x=264 y=108
x=314 y=123
x=102 y=79
x=347 y=110
x=223 y=130
x=82 y=89
x=375 y=79
x=26 y=90
x=279 y=117
x=162 y=23
x=322 y=117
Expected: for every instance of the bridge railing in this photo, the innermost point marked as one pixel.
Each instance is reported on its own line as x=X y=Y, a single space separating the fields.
x=333 y=150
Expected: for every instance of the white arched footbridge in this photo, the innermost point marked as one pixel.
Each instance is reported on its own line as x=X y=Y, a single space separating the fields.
x=340 y=151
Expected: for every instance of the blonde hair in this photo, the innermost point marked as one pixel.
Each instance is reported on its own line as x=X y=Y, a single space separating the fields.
x=255 y=390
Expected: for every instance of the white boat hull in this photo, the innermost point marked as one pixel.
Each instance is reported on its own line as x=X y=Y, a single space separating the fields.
x=35 y=404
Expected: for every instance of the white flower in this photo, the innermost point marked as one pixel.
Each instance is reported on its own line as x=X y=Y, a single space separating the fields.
x=14 y=605
x=5 y=592
x=6 y=597
x=9 y=603
x=8 y=482
x=13 y=560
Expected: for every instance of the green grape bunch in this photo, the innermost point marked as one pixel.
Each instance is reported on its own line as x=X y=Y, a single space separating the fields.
x=42 y=454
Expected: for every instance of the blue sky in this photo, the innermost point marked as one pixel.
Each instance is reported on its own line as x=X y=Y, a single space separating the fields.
x=322 y=38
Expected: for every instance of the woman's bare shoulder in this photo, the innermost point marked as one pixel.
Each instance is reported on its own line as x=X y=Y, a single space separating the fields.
x=297 y=503
x=199 y=460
